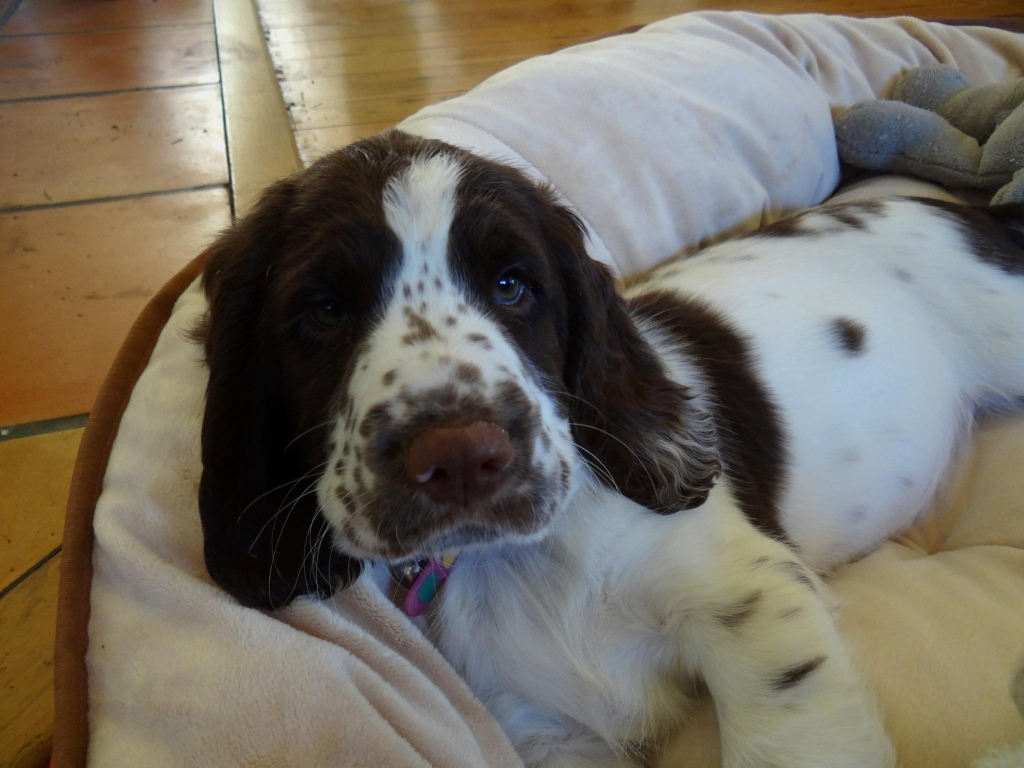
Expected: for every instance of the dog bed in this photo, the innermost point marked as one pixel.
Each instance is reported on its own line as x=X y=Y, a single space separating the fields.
x=688 y=129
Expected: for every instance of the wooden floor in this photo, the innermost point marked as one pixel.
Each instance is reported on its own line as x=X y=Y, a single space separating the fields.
x=114 y=171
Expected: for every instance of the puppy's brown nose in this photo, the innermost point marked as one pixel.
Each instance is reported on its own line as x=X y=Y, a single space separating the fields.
x=459 y=465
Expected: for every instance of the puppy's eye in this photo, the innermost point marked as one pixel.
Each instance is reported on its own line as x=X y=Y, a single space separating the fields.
x=509 y=289
x=328 y=314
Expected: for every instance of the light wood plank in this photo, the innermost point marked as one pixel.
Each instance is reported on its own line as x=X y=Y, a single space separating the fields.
x=333 y=101
x=289 y=44
x=28 y=618
x=72 y=281
x=47 y=16
x=445 y=18
x=51 y=65
x=383 y=110
x=85 y=148
x=363 y=19
x=317 y=142
x=260 y=140
x=426 y=61
x=356 y=12
x=33 y=495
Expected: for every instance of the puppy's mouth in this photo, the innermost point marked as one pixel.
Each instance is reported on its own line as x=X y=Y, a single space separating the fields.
x=402 y=526
x=458 y=472
x=459 y=537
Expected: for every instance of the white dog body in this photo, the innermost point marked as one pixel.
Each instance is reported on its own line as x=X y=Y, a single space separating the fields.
x=594 y=636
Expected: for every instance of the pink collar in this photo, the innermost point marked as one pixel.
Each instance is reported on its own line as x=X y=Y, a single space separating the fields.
x=427 y=584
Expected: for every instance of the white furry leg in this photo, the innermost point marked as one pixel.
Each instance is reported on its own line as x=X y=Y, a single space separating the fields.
x=763 y=638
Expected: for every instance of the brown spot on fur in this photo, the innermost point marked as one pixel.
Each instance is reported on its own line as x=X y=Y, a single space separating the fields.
x=850 y=215
x=798 y=573
x=420 y=330
x=343 y=496
x=389 y=378
x=374 y=417
x=849 y=334
x=469 y=373
x=736 y=614
x=564 y=473
x=795 y=675
x=481 y=339
x=790 y=226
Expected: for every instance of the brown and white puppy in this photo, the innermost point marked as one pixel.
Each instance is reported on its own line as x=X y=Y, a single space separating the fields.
x=411 y=353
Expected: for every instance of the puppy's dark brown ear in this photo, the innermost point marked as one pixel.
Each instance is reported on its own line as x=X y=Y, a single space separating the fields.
x=641 y=431
x=265 y=541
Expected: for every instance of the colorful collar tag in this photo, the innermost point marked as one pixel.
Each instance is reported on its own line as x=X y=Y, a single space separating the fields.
x=428 y=584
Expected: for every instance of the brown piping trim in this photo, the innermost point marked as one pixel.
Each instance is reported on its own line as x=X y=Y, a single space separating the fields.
x=71 y=716
x=1008 y=23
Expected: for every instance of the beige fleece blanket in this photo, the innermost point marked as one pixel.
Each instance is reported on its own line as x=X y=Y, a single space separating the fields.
x=661 y=139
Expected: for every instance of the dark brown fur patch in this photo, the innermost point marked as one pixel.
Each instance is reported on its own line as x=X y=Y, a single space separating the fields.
x=752 y=441
x=389 y=378
x=849 y=334
x=995 y=234
x=795 y=675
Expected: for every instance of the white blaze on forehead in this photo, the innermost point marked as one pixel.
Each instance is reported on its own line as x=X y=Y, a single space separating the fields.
x=430 y=335
x=419 y=204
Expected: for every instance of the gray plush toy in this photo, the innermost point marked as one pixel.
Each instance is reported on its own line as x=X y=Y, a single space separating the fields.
x=938 y=127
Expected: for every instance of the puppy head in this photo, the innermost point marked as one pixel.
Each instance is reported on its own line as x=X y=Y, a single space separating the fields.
x=411 y=352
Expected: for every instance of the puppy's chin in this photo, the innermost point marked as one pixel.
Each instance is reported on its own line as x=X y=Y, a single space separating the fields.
x=459 y=537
